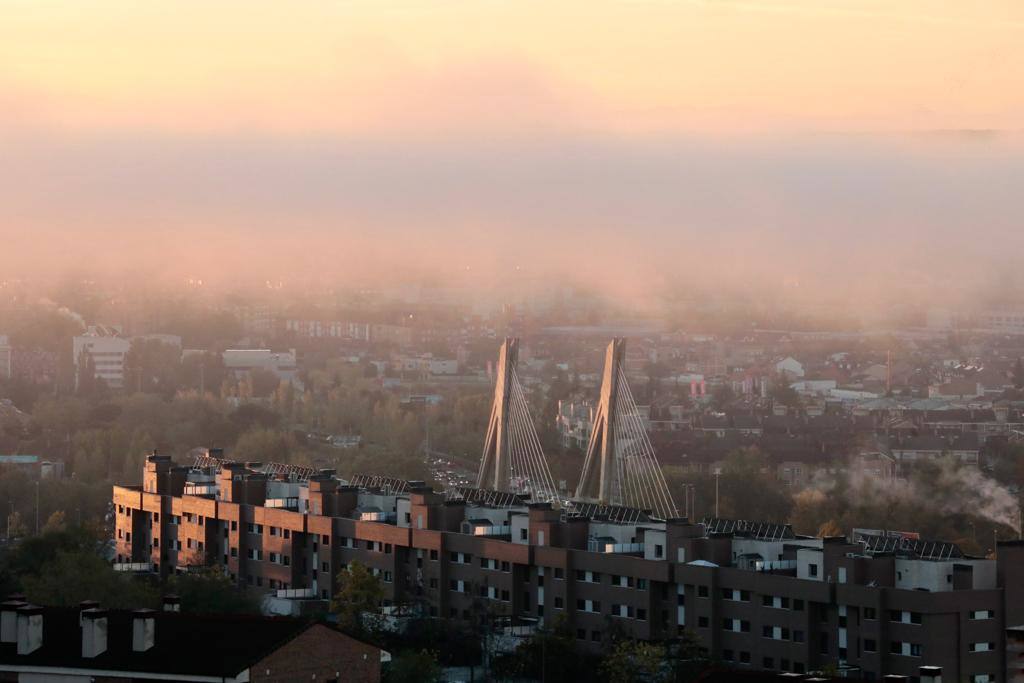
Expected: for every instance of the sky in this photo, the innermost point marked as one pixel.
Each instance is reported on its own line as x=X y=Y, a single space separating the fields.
x=776 y=136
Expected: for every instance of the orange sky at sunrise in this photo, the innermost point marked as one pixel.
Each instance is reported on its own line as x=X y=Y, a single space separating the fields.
x=353 y=67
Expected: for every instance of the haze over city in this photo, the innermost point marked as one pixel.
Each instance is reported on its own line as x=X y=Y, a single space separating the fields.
x=627 y=341
x=627 y=146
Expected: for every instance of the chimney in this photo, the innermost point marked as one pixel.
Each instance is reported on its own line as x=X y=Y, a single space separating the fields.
x=84 y=605
x=143 y=629
x=94 y=632
x=30 y=629
x=172 y=603
x=930 y=674
x=9 y=620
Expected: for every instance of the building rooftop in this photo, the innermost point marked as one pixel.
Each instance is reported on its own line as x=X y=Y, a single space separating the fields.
x=184 y=645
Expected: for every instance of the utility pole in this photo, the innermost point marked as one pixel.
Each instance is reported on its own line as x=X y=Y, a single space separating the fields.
x=718 y=475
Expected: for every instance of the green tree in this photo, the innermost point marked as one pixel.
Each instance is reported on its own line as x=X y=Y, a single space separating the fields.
x=76 y=576
x=359 y=592
x=633 y=661
x=263 y=445
x=210 y=591
x=414 y=666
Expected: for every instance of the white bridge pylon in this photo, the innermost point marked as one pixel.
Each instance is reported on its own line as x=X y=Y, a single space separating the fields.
x=620 y=467
x=513 y=460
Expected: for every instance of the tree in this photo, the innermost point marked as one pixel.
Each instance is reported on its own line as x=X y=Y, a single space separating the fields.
x=550 y=653
x=16 y=528
x=55 y=522
x=782 y=392
x=210 y=591
x=359 y=591
x=633 y=661
x=263 y=382
x=263 y=445
x=413 y=667
x=76 y=576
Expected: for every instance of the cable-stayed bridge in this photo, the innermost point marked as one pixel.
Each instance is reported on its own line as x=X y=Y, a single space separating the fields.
x=620 y=467
x=513 y=460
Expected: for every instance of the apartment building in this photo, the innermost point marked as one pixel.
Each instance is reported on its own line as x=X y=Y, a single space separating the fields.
x=757 y=595
x=106 y=350
x=284 y=364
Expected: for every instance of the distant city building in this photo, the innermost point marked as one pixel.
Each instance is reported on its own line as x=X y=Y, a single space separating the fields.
x=106 y=350
x=1008 y=321
x=241 y=361
x=6 y=358
x=31 y=464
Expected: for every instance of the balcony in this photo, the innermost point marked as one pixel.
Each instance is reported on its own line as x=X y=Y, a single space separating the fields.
x=200 y=489
x=282 y=503
x=610 y=545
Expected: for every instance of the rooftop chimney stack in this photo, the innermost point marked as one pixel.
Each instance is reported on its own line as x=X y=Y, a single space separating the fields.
x=94 y=632
x=84 y=605
x=9 y=620
x=30 y=629
x=143 y=629
x=172 y=603
x=930 y=674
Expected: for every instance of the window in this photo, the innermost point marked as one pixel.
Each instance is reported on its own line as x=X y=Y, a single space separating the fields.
x=559 y=603
x=744 y=658
x=870 y=645
x=983 y=614
x=702 y=591
x=798 y=605
x=523 y=534
x=812 y=570
x=641 y=584
x=641 y=614
x=659 y=551
x=702 y=622
x=870 y=613
x=559 y=573
x=768 y=663
x=798 y=636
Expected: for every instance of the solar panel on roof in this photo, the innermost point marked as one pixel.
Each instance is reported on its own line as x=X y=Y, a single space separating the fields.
x=765 y=531
x=376 y=481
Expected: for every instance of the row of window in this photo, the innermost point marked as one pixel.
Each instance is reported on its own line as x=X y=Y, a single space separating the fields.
x=784 y=664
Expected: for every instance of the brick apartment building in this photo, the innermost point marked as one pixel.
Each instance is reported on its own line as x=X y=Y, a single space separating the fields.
x=757 y=595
